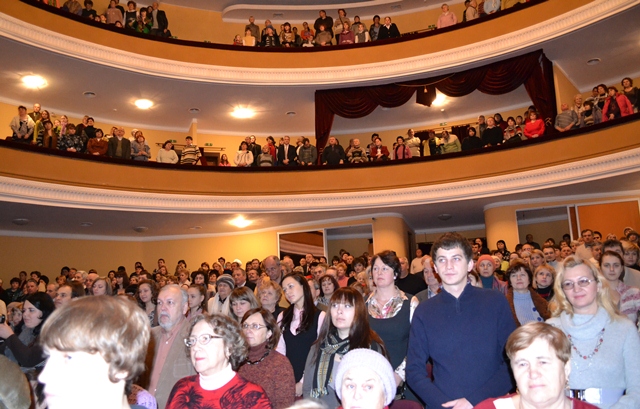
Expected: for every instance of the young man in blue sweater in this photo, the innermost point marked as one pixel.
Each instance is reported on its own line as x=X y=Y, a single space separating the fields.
x=463 y=330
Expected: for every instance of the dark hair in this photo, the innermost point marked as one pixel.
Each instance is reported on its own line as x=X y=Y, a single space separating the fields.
x=154 y=293
x=46 y=121
x=22 y=107
x=376 y=16
x=612 y=243
x=189 y=137
x=626 y=78
x=503 y=243
x=87 y=2
x=616 y=255
x=389 y=258
x=164 y=145
x=245 y=144
x=203 y=274
x=45 y=304
x=131 y=2
x=270 y=322
x=517 y=266
x=309 y=310
x=601 y=85
x=125 y=280
x=449 y=241
x=472 y=129
x=71 y=126
x=203 y=292
x=15 y=280
x=400 y=137
x=333 y=281
x=360 y=333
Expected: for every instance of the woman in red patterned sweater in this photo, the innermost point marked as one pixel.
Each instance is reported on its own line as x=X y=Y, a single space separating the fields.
x=217 y=348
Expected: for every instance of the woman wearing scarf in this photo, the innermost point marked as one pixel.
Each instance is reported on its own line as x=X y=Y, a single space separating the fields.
x=347 y=329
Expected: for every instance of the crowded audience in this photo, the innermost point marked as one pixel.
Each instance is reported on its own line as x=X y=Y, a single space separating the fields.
x=39 y=128
x=291 y=323
x=327 y=30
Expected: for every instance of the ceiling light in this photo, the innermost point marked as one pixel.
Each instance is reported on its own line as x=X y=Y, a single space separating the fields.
x=243 y=113
x=291 y=113
x=86 y=224
x=20 y=222
x=240 y=222
x=89 y=94
x=143 y=103
x=444 y=216
x=194 y=110
x=34 y=81
x=195 y=227
x=440 y=100
x=594 y=61
x=140 y=229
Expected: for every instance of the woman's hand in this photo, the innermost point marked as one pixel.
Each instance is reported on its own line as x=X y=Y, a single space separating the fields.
x=298 y=389
x=5 y=330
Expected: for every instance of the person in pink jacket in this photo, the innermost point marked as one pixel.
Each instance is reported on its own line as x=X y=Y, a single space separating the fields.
x=447 y=18
x=535 y=127
x=616 y=105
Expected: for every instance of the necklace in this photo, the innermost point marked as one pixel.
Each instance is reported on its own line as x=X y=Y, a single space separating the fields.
x=259 y=360
x=595 y=350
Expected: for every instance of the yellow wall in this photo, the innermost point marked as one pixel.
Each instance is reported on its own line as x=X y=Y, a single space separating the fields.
x=565 y=89
x=355 y=247
x=431 y=237
x=542 y=231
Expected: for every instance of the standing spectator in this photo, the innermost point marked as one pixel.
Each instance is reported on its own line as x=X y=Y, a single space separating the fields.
x=36 y=115
x=254 y=148
x=308 y=154
x=325 y=21
x=131 y=15
x=467 y=352
x=374 y=30
x=269 y=39
x=471 y=12
x=287 y=153
x=88 y=11
x=356 y=153
x=591 y=115
x=113 y=13
x=73 y=7
x=413 y=143
x=338 y=24
x=253 y=28
x=119 y=147
x=160 y=25
x=447 y=18
x=492 y=135
x=632 y=93
x=71 y=142
x=190 y=153
x=388 y=30
x=362 y=35
x=616 y=105
x=140 y=150
x=166 y=154
x=22 y=126
x=416 y=263
x=401 y=151
x=333 y=154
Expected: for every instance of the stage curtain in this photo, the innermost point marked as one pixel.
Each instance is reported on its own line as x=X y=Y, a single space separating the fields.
x=533 y=70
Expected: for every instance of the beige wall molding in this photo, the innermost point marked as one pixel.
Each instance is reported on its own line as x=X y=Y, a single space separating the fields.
x=597 y=10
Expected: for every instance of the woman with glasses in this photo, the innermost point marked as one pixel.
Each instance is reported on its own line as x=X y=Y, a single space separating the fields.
x=216 y=347
x=605 y=347
x=264 y=365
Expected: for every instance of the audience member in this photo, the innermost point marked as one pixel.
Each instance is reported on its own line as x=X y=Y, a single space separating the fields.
x=388 y=30
x=447 y=18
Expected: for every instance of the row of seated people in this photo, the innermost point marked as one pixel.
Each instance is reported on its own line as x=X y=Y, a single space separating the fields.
x=605 y=103
x=151 y=20
x=146 y=20
x=295 y=320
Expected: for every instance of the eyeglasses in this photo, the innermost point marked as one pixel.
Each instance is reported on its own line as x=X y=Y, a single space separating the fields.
x=253 y=327
x=204 y=339
x=583 y=282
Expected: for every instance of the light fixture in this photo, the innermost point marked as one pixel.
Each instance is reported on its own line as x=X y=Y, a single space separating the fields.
x=240 y=222
x=20 y=222
x=195 y=228
x=291 y=113
x=143 y=103
x=140 y=229
x=444 y=216
x=34 y=81
x=440 y=100
x=89 y=94
x=243 y=113
x=594 y=61
x=194 y=110
x=86 y=224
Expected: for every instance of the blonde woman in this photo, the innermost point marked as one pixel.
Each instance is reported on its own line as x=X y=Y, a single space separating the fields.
x=605 y=345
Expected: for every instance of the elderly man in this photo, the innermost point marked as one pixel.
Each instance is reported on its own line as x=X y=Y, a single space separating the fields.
x=52 y=290
x=409 y=283
x=88 y=282
x=333 y=154
x=566 y=120
x=160 y=25
x=431 y=278
x=416 y=263
x=240 y=279
x=584 y=250
x=255 y=30
x=119 y=147
x=167 y=356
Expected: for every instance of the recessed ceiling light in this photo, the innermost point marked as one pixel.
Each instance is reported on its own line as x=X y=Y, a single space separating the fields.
x=291 y=113
x=143 y=103
x=194 y=110
x=195 y=227
x=444 y=216
x=89 y=94
x=20 y=222
x=34 y=81
x=86 y=224
x=240 y=222
x=594 y=61
x=140 y=229
x=243 y=113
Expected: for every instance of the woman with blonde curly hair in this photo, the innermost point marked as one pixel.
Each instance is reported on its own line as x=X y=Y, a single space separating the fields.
x=605 y=364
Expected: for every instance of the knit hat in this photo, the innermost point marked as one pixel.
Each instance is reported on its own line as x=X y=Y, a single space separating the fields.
x=487 y=257
x=368 y=360
x=226 y=279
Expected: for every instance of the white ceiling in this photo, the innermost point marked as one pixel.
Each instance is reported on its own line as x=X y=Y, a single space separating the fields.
x=174 y=98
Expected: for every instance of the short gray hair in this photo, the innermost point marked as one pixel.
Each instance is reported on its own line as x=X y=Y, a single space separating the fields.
x=183 y=292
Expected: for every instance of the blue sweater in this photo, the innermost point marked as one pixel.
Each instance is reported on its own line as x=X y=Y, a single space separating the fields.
x=465 y=338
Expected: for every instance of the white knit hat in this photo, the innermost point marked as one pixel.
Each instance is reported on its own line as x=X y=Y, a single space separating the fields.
x=368 y=360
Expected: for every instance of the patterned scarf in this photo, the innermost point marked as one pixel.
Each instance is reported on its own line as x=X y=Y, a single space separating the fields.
x=331 y=346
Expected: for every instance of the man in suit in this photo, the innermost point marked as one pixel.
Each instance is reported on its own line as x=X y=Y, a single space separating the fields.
x=287 y=154
x=119 y=146
x=170 y=362
x=255 y=149
x=240 y=279
x=160 y=25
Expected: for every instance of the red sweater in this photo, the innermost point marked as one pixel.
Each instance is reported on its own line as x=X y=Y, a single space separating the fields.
x=274 y=374
x=623 y=102
x=534 y=128
x=236 y=394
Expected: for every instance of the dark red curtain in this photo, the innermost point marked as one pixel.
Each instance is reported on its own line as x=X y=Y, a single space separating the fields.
x=533 y=70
